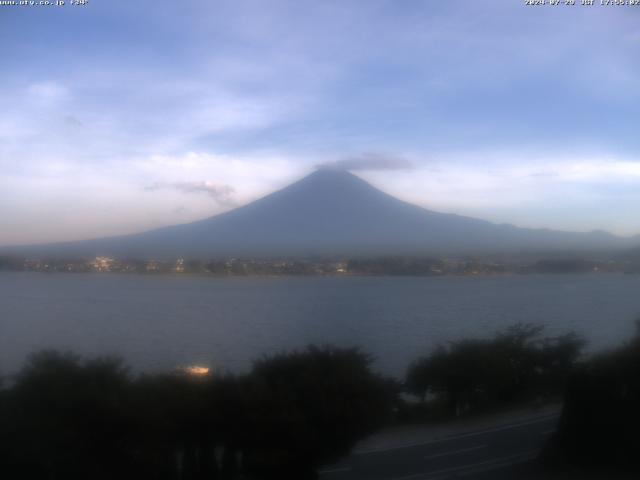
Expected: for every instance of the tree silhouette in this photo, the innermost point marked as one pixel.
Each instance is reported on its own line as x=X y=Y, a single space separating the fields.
x=70 y=418
x=516 y=363
x=600 y=418
x=66 y=418
x=310 y=407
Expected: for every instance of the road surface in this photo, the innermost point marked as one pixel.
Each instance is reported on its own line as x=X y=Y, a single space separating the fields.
x=486 y=451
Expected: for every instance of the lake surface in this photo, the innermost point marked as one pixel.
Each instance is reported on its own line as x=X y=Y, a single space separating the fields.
x=160 y=322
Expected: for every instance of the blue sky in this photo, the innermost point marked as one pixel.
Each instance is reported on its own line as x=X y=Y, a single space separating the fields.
x=121 y=116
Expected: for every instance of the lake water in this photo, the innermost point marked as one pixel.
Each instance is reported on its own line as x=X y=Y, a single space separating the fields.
x=159 y=322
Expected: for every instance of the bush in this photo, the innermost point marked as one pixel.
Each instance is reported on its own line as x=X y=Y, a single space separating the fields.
x=601 y=414
x=310 y=407
x=515 y=364
x=70 y=418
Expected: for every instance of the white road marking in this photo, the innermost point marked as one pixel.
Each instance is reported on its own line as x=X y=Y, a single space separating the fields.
x=455 y=452
x=334 y=470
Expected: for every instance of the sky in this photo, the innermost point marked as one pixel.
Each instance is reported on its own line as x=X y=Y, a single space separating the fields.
x=120 y=116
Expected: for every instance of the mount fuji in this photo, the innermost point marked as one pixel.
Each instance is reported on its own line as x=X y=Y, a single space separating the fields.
x=332 y=212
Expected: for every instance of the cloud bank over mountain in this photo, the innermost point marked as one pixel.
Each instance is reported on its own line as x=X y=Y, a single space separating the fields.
x=368 y=162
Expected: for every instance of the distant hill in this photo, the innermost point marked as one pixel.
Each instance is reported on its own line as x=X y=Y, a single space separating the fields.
x=332 y=213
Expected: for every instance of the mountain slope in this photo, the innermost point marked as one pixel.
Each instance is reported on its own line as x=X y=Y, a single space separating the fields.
x=333 y=212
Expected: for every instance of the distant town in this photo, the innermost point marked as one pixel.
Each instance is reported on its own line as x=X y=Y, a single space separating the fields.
x=322 y=266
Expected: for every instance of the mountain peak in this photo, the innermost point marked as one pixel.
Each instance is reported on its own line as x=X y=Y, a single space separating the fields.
x=332 y=175
x=324 y=190
x=329 y=171
x=330 y=180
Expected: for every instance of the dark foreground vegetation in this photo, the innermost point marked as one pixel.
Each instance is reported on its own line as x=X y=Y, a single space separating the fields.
x=517 y=365
x=597 y=435
x=599 y=426
x=65 y=417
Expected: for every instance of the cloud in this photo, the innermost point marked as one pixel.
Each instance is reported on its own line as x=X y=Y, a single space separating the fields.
x=222 y=194
x=541 y=190
x=275 y=89
x=368 y=161
x=73 y=121
x=48 y=92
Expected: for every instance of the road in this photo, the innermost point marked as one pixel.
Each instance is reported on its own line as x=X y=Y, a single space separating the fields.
x=491 y=452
